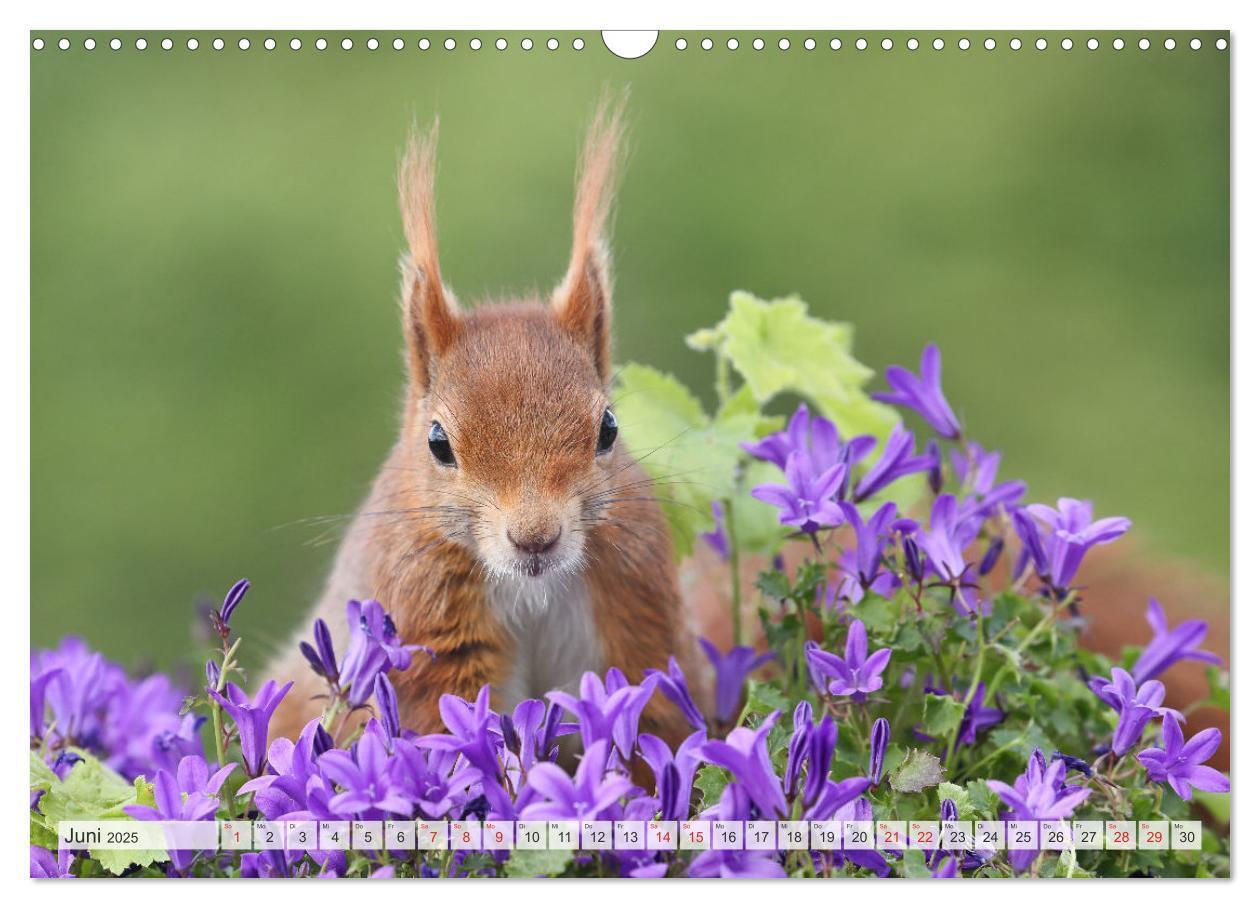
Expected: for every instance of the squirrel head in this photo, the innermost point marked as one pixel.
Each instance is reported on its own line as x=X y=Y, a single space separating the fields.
x=509 y=432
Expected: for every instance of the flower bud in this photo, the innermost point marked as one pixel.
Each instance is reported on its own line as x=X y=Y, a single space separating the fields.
x=1073 y=762
x=879 y=745
x=387 y=705
x=322 y=741
x=233 y=599
x=668 y=794
x=511 y=740
x=991 y=556
x=935 y=478
x=914 y=559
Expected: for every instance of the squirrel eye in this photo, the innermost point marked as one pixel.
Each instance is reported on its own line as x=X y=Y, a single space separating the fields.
x=440 y=445
x=607 y=432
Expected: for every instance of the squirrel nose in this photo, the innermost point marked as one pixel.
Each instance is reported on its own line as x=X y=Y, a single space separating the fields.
x=535 y=543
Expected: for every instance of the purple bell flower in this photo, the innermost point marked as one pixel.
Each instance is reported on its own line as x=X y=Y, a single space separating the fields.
x=1167 y=648
x=48 y=866
x=39 y=685
x=735 y=803
x=946 y=540
x=981 y=493
x=675 y=772
x=1070 y=532
x=367 y=788
x=589 y=795
x=871 y=539
x=745 y=756
x=1180 y=762
x=374 y=647
x=856 y=674
x=816 y=437
x=252 y=718
x=172 y=805
x=730 y=672
x=673 y=684
x=898 y=460
x=1039 y=794
x=808 y=501
x=607 y=710
x=1136 y=706
x=991 y=556
x=922 y=393
x=860 y=810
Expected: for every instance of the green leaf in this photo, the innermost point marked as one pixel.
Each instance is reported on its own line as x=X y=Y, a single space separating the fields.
x=704 y=340
x=41 y=835
x=878 y=614
x=1024 y=741
x=92 y=791
x=918 y=771
x=691 y=457
x=41 y=776
x=914 y=864
x=765 y=697
x=711 y=780
x=777 y=346
x=117 y=862
x=910 y=639
x=942 y=715
x=744 y=404
x=1218 y=688
x=1129 y=657
x=544 y=862
x=757 y=526
x=1217 y=804
x=960 y=797
x=984 y=800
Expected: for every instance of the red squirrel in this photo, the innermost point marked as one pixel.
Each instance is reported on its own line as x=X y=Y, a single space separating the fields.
x=510 y=529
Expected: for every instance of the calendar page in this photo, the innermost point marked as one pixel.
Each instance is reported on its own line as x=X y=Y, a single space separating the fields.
x=712 y=453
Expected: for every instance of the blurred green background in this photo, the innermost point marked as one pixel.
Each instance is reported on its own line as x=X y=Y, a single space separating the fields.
x=215 y=352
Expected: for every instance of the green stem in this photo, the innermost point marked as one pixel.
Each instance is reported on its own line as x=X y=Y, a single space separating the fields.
x=737 y=605
x=216 y=712
x=971 y=770
x=216 y=716
x=971 y=691
x=723 y=382
x=1045 y=622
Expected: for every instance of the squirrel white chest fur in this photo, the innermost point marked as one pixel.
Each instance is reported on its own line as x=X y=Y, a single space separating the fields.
x=550 y=622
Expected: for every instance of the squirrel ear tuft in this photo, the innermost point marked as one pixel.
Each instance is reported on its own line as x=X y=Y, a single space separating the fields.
x=430 y=319
x=583 y=301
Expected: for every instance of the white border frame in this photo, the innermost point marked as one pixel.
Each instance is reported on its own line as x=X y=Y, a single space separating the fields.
x=781 y=15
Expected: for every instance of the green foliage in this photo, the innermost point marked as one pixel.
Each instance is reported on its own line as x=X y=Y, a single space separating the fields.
x=695 y=458
x=1218 y=688
x=777 y=346
x=919 y=770
x=691 y=456
x=543 y=862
